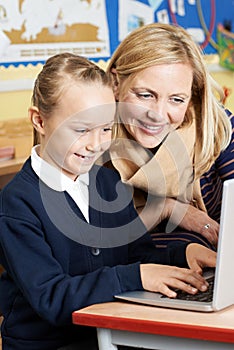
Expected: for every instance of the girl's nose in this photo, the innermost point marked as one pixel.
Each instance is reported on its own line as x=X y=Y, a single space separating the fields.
x=94 y=142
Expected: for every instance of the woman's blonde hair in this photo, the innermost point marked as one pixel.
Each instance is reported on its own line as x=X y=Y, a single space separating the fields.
x=157 y=44
x=57 y=74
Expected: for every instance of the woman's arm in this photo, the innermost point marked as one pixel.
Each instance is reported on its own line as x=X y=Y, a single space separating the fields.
x=180 y=214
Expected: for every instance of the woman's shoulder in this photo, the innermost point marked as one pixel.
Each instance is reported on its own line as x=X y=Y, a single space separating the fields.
x=230 y=116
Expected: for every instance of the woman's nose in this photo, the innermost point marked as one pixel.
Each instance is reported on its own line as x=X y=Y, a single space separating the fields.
x=157 y=114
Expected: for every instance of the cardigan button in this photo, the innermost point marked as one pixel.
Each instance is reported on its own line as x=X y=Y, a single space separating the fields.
x=95 y=251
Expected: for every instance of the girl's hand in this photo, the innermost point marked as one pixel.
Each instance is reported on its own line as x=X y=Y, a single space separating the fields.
x=199 y=257
x=161 y=278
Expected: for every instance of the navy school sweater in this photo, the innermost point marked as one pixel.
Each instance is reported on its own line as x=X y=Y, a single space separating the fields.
x=56 y=262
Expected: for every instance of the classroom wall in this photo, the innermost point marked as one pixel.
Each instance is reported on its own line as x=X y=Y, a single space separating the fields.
x=14 y=103
x=16 y=80
x=17 y=84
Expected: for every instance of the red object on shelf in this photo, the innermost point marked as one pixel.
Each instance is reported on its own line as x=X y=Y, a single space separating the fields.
x=7 y=152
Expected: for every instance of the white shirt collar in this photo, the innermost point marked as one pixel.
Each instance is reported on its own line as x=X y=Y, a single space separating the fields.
x=52 y=176
x=57 y=181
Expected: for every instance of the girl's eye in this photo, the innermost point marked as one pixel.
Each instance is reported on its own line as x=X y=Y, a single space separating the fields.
x=81 y=131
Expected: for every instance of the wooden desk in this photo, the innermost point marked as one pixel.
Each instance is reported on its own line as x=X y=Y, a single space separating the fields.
x=9 y=168
x=17 y=133
x=120 y=323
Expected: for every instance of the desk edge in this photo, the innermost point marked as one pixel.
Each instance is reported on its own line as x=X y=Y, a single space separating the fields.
x=153 y=327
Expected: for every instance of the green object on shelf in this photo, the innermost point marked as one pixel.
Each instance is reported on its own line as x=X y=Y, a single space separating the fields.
x=225 y=41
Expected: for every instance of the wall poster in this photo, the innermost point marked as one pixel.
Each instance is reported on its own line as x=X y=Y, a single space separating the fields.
x=34 y=30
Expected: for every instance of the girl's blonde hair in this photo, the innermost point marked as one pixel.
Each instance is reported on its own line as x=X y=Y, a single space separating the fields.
x=157 y=44
x=57 y=74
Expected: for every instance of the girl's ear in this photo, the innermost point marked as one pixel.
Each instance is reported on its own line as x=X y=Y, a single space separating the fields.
x=36 y=119
x=115 y=83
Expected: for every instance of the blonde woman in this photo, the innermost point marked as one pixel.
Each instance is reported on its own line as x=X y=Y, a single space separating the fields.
x=174 y=140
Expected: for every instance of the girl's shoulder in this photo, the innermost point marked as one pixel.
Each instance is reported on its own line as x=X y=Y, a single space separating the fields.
x=107 y=182
x=22 y=188
x=105 y=172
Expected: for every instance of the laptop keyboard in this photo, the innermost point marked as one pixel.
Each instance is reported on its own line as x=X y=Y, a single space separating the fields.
x=206 y=296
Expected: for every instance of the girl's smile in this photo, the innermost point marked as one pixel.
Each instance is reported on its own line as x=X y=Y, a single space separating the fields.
x=85 y=159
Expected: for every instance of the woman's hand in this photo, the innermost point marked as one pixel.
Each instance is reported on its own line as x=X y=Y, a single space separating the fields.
x=192 y=219
x=199 y=257
x=161 y=278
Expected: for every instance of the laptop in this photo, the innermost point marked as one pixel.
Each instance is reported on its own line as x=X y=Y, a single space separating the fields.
x=222 y=294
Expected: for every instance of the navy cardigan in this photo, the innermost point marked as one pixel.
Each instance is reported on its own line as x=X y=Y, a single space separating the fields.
x=51 y=272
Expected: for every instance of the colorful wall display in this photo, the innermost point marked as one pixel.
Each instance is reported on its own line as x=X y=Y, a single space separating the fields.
x=31 y=31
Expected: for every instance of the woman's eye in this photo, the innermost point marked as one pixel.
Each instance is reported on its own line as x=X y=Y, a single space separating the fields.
x=144 y=95
x=177 y=100
x=107 y=129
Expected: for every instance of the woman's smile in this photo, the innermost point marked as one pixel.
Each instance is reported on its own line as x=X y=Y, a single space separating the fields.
x=152 y=129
